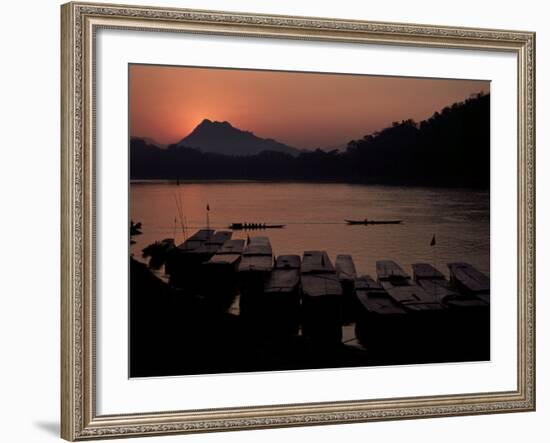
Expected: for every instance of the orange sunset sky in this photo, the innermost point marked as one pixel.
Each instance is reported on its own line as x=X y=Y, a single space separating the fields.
x=303 y=110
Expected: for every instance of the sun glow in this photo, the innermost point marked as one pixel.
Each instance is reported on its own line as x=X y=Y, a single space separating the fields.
x=303 y=110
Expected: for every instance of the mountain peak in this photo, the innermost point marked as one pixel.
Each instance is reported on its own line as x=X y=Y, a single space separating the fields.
x=224 y=138
x=207 y=122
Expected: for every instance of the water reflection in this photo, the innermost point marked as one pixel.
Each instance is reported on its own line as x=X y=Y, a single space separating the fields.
x=314 y=217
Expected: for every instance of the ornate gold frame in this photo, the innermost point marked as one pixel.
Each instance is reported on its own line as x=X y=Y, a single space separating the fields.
x=78 y=417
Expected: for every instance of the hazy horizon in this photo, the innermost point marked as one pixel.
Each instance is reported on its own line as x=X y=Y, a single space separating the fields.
x=303 y=110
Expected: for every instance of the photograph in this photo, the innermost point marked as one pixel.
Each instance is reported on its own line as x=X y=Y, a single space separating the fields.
x=283 y=220
x=278 y=218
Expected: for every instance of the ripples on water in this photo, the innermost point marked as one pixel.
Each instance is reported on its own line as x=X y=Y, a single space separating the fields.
x=314 y=216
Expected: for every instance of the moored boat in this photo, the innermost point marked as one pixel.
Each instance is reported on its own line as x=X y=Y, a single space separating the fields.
x=181 y=262
x=468 y=317
x=435 y=283
x=347 y=274
x=281 y=298
x=381 y=323
x=208 y=248
x=388 y=270
x=254 y=269
x=425 y=271
x=426 y=315
x=220 y=272
x=373 y=222
x=229 y=254
x=257 y=256
x=196 y=240
x=469 y=280
x=321 y=298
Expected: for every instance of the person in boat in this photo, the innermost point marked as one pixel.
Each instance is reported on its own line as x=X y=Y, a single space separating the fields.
x=366 y=220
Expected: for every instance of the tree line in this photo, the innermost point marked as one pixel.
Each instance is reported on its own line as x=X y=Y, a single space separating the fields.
x=451 y=148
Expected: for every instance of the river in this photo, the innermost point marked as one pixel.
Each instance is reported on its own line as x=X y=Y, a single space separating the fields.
x=314 y=216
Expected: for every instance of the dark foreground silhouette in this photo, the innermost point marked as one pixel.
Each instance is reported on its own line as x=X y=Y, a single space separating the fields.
x=173 y=333
x=176 y=332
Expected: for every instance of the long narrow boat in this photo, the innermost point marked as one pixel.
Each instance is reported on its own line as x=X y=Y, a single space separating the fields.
x=228 y=254
x=257 y=256
x=180 y=260
x=285 y=277
x=435 y=283
x=381 y=322
x=196 y=240
x=426 y=319
x=254 y=270
x=212 y=244
x=373 y=222
x=345 y=268
x=321 y=298
x=253 y=226
x=425 y=271
x=374 y=299
x=468 y=317
x=281 y=297
x=389 y=270
x=220 y=272
x=347 y=274
x=469 y=280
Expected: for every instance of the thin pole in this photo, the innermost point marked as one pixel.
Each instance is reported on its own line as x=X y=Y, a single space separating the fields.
x=185 y=227
x=432 y=245
x=208 y=218
x=180 y=214
x=183 y=219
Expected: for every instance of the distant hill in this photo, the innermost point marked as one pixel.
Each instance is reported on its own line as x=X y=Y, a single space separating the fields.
x=451 y=148
x=150 y=141
x=223 y=138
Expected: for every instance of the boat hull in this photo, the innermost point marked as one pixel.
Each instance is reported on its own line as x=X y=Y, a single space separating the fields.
x=281 y=302
x=253 y=226
x=321 y=298
x=347 y=274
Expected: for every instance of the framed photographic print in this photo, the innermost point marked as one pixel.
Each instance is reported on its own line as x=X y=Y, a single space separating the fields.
x=283 y=221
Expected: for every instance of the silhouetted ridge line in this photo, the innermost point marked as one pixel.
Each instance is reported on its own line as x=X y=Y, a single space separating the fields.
x=224 y=138
x=451 y=148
